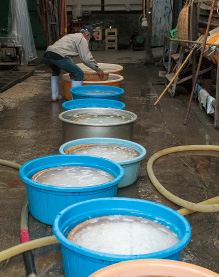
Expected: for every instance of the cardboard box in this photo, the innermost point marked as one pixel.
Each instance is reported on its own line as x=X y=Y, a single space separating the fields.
x=98 y=34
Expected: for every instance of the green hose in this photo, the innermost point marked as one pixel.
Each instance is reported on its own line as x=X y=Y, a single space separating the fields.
x=179 y=201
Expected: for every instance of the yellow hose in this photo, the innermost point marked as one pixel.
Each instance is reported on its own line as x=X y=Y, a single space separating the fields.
x=23 y=247
x=199 y=207
x=10 y=164
x=205 y=206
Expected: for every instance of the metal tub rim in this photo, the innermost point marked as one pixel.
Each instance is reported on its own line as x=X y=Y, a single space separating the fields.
x=98 y=110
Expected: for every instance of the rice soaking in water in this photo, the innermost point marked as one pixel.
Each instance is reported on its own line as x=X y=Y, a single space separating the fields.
x=109 y=151
x=123 y=235
x=98 y=119
x=72 y=176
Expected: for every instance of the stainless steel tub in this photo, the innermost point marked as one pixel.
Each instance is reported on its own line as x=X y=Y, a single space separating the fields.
x=72 y=130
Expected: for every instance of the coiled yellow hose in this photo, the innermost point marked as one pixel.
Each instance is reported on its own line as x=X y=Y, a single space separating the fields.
x=209 y=205
x=199 y=207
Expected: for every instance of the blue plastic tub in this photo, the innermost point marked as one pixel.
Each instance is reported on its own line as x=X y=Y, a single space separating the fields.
x=46 y=201
x=131 y=167
x=91 y=102
x=80 y=92
x=82 y=262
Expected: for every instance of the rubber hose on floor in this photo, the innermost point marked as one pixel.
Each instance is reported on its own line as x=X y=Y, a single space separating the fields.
x=179 y=201
x=30 y=245
x=10 y=164
x=191 y=207
x=23 y=247
x=28 y=255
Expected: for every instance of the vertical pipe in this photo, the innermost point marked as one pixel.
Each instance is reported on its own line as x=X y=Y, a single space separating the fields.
x=102 y=5
x=216 y=114
x=148 y=34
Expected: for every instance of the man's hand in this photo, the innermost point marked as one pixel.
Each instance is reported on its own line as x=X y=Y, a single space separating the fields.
x=100 y=73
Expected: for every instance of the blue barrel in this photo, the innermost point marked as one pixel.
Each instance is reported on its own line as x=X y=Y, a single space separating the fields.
x=46 y=201
x=81 y=92
x=91 y=102
x=82 y=262
x=131 y=167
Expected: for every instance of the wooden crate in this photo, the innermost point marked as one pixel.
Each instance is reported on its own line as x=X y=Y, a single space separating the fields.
x=111 y=39
x=111 y=32
x=111 y=46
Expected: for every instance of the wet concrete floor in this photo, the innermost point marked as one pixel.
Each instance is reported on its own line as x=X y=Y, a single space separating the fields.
x=30 y=128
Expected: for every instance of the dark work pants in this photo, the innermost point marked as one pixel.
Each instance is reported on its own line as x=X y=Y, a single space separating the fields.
x=57 y=62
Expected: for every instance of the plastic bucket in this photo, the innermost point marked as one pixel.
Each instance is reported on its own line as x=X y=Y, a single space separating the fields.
x=91 y=102
x=76 y=130
x=106 y=67
x=46 y=201
x=131 y=167
x=113 y=80
x=82 y=262
x=80 y=92
x=154 y=267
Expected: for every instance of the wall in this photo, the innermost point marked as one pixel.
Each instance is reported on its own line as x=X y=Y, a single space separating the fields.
x=125 y=15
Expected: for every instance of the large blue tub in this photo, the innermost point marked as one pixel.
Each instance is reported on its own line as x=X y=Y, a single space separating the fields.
x=131 y=167
x=81 y=92
x=82 y=262
x=46 y=201
x=93 y=102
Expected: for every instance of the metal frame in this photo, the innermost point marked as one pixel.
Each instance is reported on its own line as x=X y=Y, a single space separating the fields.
x=169 y=45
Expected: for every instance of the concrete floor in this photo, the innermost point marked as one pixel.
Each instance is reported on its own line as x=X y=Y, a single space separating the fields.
x=30 y=128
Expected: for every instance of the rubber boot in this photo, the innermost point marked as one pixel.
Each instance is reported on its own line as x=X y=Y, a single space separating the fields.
x=54 y=88
x=76 y=83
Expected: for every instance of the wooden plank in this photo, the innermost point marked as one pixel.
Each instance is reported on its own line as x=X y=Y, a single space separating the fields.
x=170 y=76
x=11 y=78
x=201 y=1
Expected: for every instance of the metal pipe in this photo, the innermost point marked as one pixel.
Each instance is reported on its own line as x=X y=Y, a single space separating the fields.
x=192 y=41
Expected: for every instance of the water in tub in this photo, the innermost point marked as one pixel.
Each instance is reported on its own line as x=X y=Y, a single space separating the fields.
x=98 y=92
x=73 y=176
x=109 y=151
x=98 y=119
x=123 y=235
